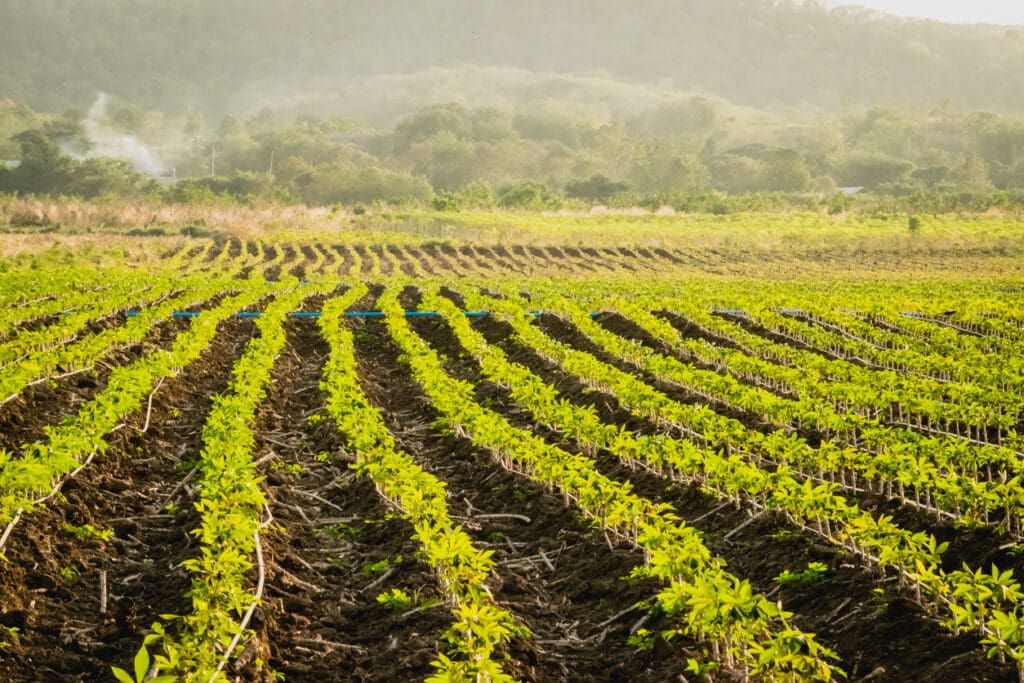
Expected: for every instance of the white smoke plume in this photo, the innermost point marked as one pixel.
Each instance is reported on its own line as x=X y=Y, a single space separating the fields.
x=107 y=143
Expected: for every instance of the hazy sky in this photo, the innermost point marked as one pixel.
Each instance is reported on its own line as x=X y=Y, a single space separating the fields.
x=989 y=11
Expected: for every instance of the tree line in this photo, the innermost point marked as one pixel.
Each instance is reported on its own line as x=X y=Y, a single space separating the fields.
x=692 y=153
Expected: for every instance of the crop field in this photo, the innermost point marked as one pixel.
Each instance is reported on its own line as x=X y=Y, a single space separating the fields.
x=306 y=460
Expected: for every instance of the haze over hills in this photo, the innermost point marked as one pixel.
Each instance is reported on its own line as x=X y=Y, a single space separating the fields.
x=236 y=56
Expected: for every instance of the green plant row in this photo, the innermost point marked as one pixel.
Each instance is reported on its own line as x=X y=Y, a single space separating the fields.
x=746 y=632
x=95 y=300
x=873 y=430
x=963 y=379
x=972 y=372
x=941 y=473
x=230 y=503
x=81 y=293
x=989 y=399
x=481 y=628
x=969 y=599
x=923 y=404
x=896 y=399
x=23 y=480
x=40 y=365
x=22 y=288
x=25 y=287
x=130 y=290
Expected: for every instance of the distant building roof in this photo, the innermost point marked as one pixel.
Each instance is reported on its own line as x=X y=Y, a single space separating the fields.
x=850 y=190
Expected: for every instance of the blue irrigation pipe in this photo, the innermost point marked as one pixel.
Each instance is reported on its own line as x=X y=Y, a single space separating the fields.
x=348 y=314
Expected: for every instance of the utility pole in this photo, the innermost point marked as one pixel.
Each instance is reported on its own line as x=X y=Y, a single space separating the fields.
x=213 y=160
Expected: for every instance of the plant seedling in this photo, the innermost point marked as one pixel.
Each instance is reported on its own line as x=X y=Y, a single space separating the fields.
x=87 y=532
x=141 y=666
x=395 y=599
x=642 y=639
x=375 y=568
x=70 y=573
x=814 y=573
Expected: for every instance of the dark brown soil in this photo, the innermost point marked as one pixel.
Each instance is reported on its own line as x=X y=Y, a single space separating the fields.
x=490 y=259
x=765 y=548
x=441 y=265
x=334 y=545
x=51 y=585
x=387 y=266
x=402 y=260
x=23 y=419
x=568 y=604
x=425 y=262
x=567 y=333
x=320 y=615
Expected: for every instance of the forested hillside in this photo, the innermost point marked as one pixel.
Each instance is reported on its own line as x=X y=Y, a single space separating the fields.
x=219 y=56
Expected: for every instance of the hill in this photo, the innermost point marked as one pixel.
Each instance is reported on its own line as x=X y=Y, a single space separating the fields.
x=226 y=55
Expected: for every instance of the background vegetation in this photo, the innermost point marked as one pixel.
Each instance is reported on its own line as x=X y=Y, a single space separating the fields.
x=701 y=106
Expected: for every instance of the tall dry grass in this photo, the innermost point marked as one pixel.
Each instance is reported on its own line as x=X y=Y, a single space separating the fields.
x=73 y=216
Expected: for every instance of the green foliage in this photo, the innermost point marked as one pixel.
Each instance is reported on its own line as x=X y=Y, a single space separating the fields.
x=449 y=156
x=340 y=530
x=44 y=169
x=677 y=41
x=446 y=201
x=597 y=188
x=814 y=573
x=141 y=667
x=395 y=599
x=642 y=639
x=476 y=195
x=10 y=636
x=531 y=196
x=350 y=184
x=70 y=573
x=379 y=567
x=87 y=532
x=702 y=669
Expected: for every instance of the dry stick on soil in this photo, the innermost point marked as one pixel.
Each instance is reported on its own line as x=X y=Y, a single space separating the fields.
x=103 y=592
x=149 y=406
x=710 y=512
x=383 y=577
x=180 y=485
x=282 y=444
x=503 y=515
x=316 y=497
x=753 y=518
x=266 y=458
x=615 y=617
x=242 y=625
x=546 y=560
x=328 y=643
x=294 y=580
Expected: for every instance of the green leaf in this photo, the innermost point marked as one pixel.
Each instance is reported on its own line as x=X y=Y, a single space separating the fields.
x=141 y=663
x=121 y=675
